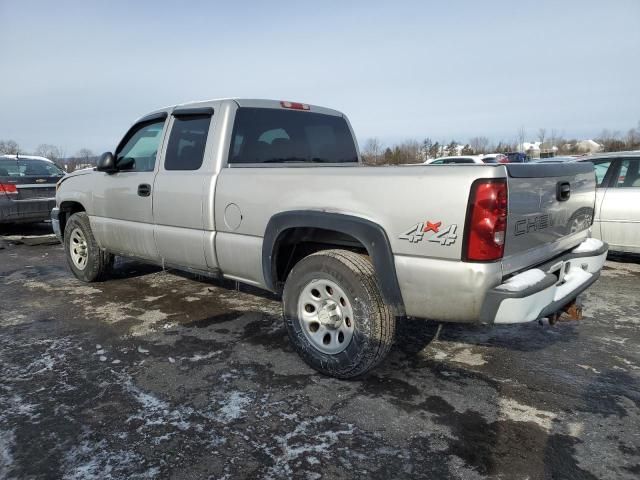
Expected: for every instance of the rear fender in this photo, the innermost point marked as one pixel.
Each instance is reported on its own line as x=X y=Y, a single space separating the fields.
x=371 y=235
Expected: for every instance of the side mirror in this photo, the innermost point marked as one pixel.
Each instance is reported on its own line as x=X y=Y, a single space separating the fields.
x=107 y=163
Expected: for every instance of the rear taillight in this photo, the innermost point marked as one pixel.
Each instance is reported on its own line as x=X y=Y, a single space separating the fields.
x=503 y=159
x=9 y=189
x=294 y=105
x=486 y=221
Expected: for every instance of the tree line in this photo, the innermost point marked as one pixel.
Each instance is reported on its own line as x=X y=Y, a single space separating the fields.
x=81 y=159
x=374 y=152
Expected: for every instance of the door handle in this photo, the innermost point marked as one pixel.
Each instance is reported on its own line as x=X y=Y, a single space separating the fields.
x=563 y=191
x=144 y=189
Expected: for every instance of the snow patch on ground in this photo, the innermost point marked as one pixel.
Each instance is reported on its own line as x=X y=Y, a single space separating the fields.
x=234 y=406
x=587 y=367
x=467 y=357
x=147 y=320
x=307 y=440
x=510 y=409
x=7 y=441
x=198 y=357
x=111 y=312
x=522 y=281
x=11 y=319
x=91 y=460
x=152 y=299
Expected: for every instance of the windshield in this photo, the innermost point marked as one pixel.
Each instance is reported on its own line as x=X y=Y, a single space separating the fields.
x=27 y=167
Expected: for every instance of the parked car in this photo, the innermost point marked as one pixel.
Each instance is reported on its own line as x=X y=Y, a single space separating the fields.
x=27 y=188
x=495 y=158
x=517 y=157
x=458 y=159
x=274 y=194
x=555 y=160
x=617 y=210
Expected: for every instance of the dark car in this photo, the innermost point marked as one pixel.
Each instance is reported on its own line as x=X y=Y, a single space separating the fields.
x=517 y=157
x=27 y=188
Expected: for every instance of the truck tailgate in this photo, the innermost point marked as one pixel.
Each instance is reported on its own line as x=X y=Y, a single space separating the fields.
x=550 y=210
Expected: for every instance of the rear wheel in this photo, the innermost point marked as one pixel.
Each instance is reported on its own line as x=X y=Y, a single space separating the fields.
x=85 y=258
x=335 y=315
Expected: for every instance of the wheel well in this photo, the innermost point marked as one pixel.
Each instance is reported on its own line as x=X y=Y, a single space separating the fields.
x=291 y=235
x=293 y=244
x=66 y=210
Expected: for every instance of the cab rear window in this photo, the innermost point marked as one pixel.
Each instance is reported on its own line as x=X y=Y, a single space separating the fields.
x=265 y=135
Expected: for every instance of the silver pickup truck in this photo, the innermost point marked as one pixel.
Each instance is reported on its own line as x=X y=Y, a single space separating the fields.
x=273 y=194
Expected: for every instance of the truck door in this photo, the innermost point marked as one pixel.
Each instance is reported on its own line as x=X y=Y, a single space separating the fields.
x=123 y=220
x=180 y=190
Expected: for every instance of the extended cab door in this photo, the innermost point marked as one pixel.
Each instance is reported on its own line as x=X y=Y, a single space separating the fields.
x=181 y=187
x=122 y=220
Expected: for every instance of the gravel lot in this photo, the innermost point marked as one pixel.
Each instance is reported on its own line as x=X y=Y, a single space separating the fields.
x=161 y=374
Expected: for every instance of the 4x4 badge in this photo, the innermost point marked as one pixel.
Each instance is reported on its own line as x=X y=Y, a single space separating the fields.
x=442 y=235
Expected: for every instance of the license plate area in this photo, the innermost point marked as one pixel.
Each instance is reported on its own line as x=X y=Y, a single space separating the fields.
x=560 y=269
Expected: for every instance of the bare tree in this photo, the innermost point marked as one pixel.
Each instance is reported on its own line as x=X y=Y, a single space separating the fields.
x=479 y=144
x=611 y=141
x=410 y=152
x=52 y=152
x=542 y=133
x=85 y=156
x=373 y=151
x=9 y=147
x=521 y=136
x=555 y=138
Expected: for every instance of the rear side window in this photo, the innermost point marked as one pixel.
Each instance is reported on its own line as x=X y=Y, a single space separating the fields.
x=265 y=135
x=188 y=139
x=629 y=176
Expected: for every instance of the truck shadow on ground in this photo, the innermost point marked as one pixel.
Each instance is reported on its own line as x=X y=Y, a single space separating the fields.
x=414 y=335
x=43 y=228
x=623 y=257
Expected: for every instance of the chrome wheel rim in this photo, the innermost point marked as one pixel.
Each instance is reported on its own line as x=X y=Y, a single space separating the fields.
x=326 y=316
x=78 y=249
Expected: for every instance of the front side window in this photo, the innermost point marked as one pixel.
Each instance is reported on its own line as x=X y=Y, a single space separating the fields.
x=601 y=167
x=187 y=142
x=628 y=176
x=265 y=135
x=138 y=152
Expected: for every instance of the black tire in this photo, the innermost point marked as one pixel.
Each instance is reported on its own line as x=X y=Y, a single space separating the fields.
x=97 y=263
x=373 y=322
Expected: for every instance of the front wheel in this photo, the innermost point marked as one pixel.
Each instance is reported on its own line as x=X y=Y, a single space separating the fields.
x=335 y=315
x=85 y=258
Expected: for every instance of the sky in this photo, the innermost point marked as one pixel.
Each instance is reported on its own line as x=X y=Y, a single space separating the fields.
x=77 y=73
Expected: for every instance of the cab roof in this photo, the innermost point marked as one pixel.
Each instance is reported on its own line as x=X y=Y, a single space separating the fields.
x=247 y=103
